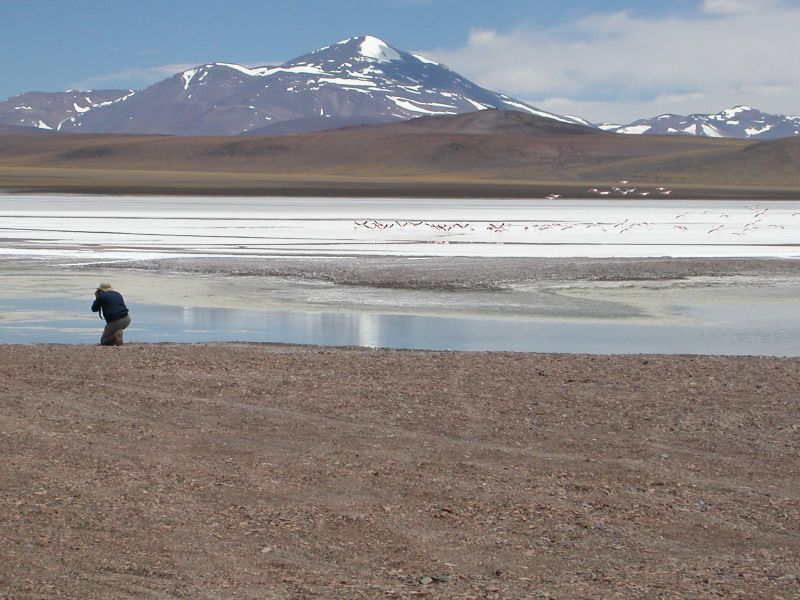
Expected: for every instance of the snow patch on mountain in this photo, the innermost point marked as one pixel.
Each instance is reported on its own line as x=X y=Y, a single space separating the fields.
x=711 y=131
x=477 y=105
x=428 y=61
x=187 y=77
x=732 y=112
x=377 y=49
x=540 y=113
x=634 y=129
x=757 y=130
x=414 y=107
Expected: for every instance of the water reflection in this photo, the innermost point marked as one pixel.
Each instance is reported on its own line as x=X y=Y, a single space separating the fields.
x=369 y=331
x=718 y=329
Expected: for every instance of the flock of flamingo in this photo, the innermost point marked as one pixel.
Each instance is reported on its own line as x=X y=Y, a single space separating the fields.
x=623 y=190
x=710 y=221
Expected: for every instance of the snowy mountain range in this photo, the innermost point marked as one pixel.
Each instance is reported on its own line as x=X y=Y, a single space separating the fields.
x=45 y=110
x=357 y=81
x=361 y=80
x=740 y=122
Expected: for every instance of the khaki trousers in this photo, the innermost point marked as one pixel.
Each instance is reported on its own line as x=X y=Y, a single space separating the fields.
x=112 y=334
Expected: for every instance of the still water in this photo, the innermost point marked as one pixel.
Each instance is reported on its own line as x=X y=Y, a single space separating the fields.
x=741 y=329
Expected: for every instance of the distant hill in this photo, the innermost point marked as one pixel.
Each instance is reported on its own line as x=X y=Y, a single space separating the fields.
x=508 y=152
x=6 y=128
x=770 y=163
x=740 y=122
x=51 y=110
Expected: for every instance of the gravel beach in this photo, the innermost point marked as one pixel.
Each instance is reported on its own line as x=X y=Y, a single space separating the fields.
x=264 y=471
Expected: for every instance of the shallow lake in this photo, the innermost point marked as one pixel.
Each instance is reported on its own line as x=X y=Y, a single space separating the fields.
x=695 y=317
x=743 y=329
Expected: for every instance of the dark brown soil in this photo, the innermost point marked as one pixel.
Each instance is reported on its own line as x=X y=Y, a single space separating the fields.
x=248 y=471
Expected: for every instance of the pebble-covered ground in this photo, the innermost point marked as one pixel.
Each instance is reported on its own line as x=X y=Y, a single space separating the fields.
x=250 y=471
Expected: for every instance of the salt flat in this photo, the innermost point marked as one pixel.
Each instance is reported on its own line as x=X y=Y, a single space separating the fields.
x=621 y=275
x=167 y=227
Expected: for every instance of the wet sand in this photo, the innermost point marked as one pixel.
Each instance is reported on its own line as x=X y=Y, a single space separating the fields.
x=463 y=273
x=447 y=286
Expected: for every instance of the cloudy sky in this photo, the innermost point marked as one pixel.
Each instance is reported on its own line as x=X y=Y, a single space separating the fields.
x=604 y=60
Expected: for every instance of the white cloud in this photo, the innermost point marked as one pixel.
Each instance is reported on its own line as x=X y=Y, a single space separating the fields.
x=619 y=66
x=731 y=7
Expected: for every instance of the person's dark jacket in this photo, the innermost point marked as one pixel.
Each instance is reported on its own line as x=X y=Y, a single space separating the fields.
x=110 y=305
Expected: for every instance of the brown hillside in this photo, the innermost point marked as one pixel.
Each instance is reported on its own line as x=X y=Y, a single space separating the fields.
x=489 y=148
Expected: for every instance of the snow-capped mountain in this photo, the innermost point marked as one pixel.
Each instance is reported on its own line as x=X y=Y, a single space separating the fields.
x=359 y=80
x=738 y=122
x=47 y=110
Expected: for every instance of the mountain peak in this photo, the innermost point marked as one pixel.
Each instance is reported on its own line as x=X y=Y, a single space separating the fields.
x=735 y=110
x=376 y=49
x=366 y=47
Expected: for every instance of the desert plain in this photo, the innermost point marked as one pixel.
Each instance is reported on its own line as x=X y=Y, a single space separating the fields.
x=269 y=471
x=237 y=470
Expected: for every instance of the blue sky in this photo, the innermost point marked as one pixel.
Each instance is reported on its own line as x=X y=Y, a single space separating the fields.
x=607 y=60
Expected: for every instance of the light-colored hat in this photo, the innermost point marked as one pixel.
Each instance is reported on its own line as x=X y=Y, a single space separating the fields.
x=105 y=286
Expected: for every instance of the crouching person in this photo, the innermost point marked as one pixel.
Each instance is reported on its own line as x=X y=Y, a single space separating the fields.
x=111 y=306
